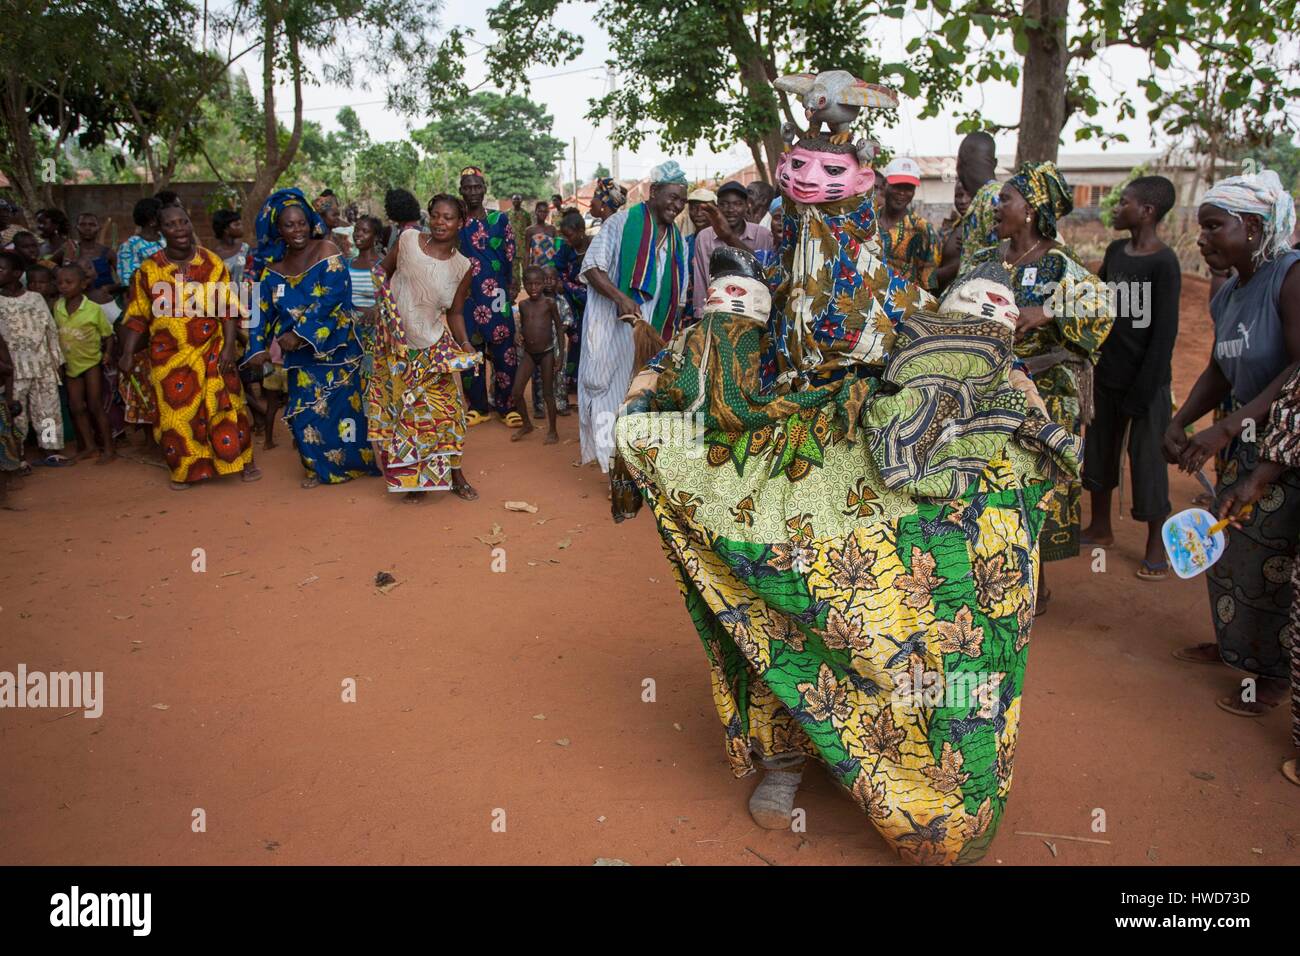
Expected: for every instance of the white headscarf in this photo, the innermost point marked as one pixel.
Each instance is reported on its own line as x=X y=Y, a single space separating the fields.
x=1258 y=194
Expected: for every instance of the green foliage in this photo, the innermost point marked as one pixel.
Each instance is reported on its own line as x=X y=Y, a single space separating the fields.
x=1111 y=199
x=692 y=71
x=1283 y=157
x=509 y=136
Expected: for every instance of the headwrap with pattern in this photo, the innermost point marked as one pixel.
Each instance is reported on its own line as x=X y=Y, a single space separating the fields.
x=270 y=246
x=1258 y=194
x=1046 y=191
x=610 y=193
x=668 y=172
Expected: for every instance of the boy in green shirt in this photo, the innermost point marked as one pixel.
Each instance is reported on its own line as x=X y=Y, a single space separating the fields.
x=84 y=334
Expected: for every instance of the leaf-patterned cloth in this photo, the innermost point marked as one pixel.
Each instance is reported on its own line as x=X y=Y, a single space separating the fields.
x=828 y=605
x=828 y=601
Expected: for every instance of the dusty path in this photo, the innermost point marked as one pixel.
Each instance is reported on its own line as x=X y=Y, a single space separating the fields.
x=456 y=666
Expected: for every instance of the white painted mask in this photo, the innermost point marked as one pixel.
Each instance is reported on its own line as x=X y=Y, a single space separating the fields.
x=982 y=299
x=739 y=296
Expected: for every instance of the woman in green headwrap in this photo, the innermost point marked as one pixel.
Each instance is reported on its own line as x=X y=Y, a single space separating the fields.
x=1065 y=315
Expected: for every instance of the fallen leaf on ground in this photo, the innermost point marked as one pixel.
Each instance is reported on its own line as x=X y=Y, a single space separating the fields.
x=495 y=537
x=563 y=742
x=123 y=617
x=521 y=506
x=539 y=716
x=600 y=819
x=1051 y=846
x=161 y=707
x=675 y=861
x=306 y=581
x=231 y=574
x=564 y=543
x=1151 y=853
x=677 y=726
x=1202 y=774
x=610 y=861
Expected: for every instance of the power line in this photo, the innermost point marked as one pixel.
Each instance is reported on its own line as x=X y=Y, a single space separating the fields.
x=544 y=76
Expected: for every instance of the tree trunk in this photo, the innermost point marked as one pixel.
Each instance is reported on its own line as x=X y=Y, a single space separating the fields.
x=18 y=155
x=277 y=160
x=759 y=88
x=1042 y=83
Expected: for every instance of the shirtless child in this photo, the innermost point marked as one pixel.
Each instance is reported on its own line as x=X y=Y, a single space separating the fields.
x=539 y=326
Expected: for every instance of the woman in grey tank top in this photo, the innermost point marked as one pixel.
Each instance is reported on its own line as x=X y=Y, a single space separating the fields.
x=1246 y=224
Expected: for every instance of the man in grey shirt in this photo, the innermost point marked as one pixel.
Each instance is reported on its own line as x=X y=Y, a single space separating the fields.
x=733 y=204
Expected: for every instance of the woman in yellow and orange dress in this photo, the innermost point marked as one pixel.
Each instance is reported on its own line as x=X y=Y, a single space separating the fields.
x=203 y=424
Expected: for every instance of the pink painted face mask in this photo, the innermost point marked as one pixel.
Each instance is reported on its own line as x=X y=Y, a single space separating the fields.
x=811 y=177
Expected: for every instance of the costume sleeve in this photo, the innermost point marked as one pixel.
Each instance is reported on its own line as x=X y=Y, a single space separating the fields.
x=1281 y=439
x=1080 y=308
x=1162 y=312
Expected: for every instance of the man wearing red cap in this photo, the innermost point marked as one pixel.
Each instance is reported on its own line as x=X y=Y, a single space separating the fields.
x=909 y=243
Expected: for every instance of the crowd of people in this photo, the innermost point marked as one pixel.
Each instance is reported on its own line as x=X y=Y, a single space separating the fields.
x=380 y=342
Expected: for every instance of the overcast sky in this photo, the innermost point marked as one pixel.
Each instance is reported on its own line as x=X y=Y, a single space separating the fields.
x=566 y=97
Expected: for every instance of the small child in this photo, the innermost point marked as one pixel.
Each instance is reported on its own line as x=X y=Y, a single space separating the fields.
x=84 y=336
x=555 y=291
x=40 y=279
x=539 y=327
x=540 y=237
x=27 y=325
x=1132 y=395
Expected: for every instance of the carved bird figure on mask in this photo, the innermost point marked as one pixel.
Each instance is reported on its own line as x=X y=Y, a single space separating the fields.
x=835 y=98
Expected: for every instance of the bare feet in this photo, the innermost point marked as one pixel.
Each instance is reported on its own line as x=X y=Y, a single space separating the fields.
x=107 y=456
x=523 y=430
x=463 y=489
x=251 y=473
x=1100 y=537
x=88 y=453
x=1205 y=653
x=268 y=444
x=551 y=438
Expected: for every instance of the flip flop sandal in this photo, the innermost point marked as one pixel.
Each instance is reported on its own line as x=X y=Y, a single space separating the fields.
x=55 y=461
x=1186 y=654
x=179 y=486
x=1291 y=770
x=475 y=418
x=465 y=492
x=1234 y=705
x=1153 y=572
x=513 y=420
x=252 y=474
x=310 y=482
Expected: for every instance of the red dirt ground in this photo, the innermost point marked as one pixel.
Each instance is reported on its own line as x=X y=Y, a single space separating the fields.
x=456 y=667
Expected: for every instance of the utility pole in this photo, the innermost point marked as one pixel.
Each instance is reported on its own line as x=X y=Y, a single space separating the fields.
x=611 y=86
x=575 y=167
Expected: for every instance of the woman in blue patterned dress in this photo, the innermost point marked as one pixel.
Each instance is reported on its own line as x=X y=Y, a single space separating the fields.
x=488 y=242
x=306 y=306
